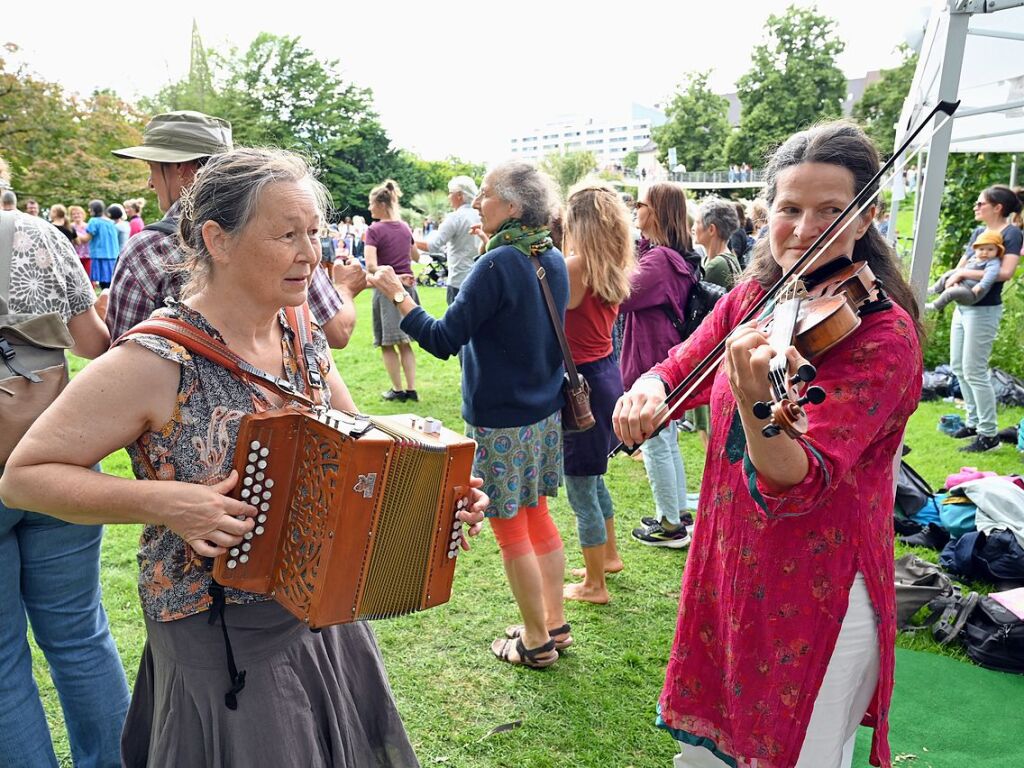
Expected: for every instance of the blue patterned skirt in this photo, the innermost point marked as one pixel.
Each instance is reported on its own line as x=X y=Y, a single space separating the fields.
x=518 y=464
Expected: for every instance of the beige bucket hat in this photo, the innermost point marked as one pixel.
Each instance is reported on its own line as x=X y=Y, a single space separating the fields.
x=177 y=137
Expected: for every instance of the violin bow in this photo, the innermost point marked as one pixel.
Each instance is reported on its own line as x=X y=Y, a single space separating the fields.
x=860 y=202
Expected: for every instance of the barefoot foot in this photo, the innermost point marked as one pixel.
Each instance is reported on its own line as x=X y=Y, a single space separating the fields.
x=616 y=567
x=585 y=594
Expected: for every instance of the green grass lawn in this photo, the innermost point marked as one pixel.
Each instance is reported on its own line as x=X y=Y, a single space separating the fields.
x=596 y=706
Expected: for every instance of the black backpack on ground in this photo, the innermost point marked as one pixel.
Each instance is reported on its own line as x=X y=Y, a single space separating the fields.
x=994 y=637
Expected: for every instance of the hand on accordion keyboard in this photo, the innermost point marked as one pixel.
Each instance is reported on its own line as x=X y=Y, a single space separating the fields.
x=473 y=515
x=203 y=515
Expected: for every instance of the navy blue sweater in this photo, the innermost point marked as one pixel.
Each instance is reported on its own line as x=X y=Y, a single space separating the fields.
x=512 y=365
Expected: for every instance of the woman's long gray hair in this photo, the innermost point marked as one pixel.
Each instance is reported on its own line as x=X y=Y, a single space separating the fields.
x=840 y=143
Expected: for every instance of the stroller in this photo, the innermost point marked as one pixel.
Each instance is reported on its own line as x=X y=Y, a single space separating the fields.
x=436 y=271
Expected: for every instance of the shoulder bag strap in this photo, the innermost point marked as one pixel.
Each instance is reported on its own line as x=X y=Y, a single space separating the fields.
x=6 y=256
x=203 y=344
x=570 y=367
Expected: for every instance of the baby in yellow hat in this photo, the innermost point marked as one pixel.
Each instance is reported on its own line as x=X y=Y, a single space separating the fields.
x=988 y=253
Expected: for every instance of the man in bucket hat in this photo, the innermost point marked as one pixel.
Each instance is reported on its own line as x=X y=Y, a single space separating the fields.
x=176 y=145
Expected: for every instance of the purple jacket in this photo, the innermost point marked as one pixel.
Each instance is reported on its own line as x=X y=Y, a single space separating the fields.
x=664 y=278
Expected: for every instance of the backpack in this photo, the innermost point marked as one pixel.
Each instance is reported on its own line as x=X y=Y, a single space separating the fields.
x=918 y=583
x=699 y=303
x=1009 y=390
x=912 y=491
x=994 y=637
x=32 y=360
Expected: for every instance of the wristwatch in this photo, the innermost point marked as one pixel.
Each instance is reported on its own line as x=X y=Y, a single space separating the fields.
x=400 y=297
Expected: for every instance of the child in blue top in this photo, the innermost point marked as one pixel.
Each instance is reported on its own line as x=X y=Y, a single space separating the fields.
x=987 y=256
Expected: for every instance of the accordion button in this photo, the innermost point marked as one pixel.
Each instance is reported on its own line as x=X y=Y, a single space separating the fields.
x=246 y=546
x=232 y=563
x=451 y=556
x=265 y=506
x=259 y=530
x=249 y=469
x=260 y=476
x=455 y=535
x=261 y=464
x=252 y=458
x=269 y=484
x=245 y=493
x=261 y=518
x=234 y=552
x=247 y=535
x=255 y=445
x=264 y=452
x=247 y=481
x=243 y=559
x=257 y=489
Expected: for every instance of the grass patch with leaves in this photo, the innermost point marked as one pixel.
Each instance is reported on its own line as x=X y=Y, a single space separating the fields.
x=596 y=706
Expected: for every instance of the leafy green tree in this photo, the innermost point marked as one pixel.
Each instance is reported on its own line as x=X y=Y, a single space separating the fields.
x=59 y=147
x=566 y=168
x=879 y=107
x=629 y=161
x=793 y=82
x=432 y=204
x=697 y=126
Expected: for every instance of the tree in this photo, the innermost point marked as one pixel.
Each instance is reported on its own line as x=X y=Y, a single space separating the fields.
x=697 y=126
x=566 y=168
x=433 y=204
x=879 y=107
x=793 y=82
x=59 y=147
x=629 y=161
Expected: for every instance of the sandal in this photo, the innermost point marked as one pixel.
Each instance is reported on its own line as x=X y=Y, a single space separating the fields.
x=560 y=635
x=535 y=658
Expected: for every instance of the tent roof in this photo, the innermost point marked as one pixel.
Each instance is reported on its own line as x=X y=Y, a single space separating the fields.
x=991 y=116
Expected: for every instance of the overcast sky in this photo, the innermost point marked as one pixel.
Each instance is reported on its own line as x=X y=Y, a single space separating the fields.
x=452 y=78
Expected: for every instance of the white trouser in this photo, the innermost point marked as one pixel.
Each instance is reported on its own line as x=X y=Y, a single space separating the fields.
x=850 y=682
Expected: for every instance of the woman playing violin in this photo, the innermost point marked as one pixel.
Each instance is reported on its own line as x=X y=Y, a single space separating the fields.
x=786 y=630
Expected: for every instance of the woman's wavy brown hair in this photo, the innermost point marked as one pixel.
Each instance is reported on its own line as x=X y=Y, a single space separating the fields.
x=668 y=224
x=597 y=229
x=840 y=143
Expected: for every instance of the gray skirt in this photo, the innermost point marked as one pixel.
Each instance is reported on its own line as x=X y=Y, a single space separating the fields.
x=311 y=699
x=387 y=320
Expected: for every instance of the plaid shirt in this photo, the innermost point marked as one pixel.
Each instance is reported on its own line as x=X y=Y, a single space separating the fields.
x=146 y=276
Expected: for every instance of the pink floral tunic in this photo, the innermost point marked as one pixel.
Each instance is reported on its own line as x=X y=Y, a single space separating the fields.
x=768 y=577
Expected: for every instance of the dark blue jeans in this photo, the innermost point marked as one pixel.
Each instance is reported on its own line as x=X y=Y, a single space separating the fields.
x=49 y=573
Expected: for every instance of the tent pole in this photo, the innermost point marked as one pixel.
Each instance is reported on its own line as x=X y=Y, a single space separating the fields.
x=938 y=155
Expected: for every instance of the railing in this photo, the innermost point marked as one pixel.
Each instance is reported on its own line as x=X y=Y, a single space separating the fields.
x=753 y=177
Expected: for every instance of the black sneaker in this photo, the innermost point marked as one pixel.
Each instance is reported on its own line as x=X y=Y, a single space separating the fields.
x=963 y=432
x=981 y=444
x=393 y=395
x=410 y=394
x=686 y=519
x=656 y=536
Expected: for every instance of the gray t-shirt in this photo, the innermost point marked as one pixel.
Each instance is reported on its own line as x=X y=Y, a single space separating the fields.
x=454 y=240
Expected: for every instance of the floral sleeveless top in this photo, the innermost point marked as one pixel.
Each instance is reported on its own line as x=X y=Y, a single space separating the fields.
x=197 y=445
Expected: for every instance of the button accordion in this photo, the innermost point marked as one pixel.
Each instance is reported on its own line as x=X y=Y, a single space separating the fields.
x=356 y=514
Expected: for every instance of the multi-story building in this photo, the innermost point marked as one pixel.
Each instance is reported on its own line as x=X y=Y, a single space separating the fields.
x=610 y=139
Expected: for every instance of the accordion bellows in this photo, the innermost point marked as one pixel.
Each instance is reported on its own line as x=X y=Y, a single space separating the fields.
x=356 y=514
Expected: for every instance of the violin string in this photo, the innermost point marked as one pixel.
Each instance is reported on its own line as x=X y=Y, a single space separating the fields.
x=666 y=407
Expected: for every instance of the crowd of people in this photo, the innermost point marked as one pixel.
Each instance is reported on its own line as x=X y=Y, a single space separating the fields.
x=786 y=626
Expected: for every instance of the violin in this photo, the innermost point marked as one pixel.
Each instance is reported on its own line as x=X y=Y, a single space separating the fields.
x=812 y=320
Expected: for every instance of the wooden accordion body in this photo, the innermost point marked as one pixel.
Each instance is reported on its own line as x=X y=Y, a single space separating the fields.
x=356 y=513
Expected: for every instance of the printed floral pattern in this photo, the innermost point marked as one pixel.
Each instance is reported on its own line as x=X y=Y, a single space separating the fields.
x=518 y=464
x=766 y=585
x=46 y=275
x=197 y=446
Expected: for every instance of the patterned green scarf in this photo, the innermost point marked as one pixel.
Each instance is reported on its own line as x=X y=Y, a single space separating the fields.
x=530 y=241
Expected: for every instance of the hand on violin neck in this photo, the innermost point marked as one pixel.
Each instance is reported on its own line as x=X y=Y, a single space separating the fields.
x=747 y=359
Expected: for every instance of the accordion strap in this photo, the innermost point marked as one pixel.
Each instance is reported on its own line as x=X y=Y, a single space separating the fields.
x=202 y=343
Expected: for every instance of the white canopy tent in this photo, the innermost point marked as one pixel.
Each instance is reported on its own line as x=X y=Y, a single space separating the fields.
x=973 y=50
